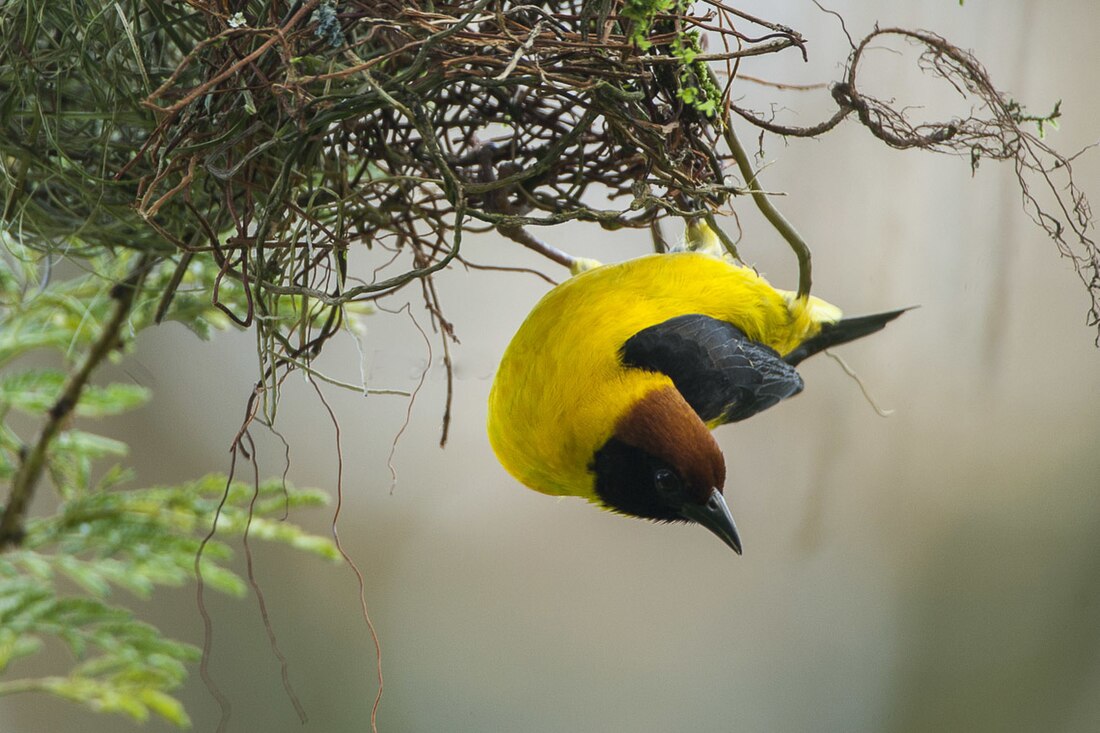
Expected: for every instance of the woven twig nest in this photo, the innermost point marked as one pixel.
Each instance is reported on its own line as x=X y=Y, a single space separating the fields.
x=272 y=137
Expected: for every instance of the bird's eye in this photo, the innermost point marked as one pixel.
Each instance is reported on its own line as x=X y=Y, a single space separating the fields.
x=666 y=482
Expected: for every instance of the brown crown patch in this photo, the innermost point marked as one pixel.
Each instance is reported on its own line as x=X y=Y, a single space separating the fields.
x=664 y=425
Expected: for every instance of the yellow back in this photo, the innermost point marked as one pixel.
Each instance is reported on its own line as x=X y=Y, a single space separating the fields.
x=560 y=388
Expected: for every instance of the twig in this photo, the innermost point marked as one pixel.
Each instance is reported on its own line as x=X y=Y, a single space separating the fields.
x=359 y=388
x=782 y=85
x=360 y=581
x=811 y=131
x=504 y=268
x=862 y=387
x=729 y=245
x=520 y=51
x=531 y=242
x=303 y=11
x=771 y=46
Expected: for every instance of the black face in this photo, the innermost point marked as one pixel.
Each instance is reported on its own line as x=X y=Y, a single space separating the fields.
x=633 y=482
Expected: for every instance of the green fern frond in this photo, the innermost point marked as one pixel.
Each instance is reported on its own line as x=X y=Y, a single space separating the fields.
x=61 y=582
x=135 y=540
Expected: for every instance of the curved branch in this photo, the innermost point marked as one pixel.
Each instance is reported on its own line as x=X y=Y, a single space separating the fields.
x=812 y=131
x=772 y=214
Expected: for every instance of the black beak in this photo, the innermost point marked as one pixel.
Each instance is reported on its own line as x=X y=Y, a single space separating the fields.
x=715 y=516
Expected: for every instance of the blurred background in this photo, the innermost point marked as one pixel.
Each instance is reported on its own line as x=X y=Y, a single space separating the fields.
x=938 y=569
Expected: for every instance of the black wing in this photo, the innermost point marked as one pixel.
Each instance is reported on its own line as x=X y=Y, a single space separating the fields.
x=720 y=372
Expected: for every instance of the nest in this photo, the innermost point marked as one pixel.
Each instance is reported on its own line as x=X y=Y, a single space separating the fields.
x=274 y=136
x=400 y=124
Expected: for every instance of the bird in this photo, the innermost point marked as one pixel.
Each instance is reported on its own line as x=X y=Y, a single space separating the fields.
x=610 y=388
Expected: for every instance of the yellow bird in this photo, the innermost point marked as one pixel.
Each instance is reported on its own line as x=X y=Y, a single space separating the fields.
x=611 y=386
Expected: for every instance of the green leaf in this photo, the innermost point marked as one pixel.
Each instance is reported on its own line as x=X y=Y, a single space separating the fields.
x=113 y=477
x=36 y=566
x=86 y=575
x=166 y=707
x=136 y=539
x=111 y=400
x=33 y=391
x=15 y=343
x=221 y=579
x=89 y=445
x=100 y=695
x=292 y=535
x=15 y=646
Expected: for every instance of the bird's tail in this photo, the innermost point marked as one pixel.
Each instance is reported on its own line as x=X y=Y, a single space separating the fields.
x=841 y=332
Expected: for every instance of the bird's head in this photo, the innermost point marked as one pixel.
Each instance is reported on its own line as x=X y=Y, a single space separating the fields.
x=662 y=463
